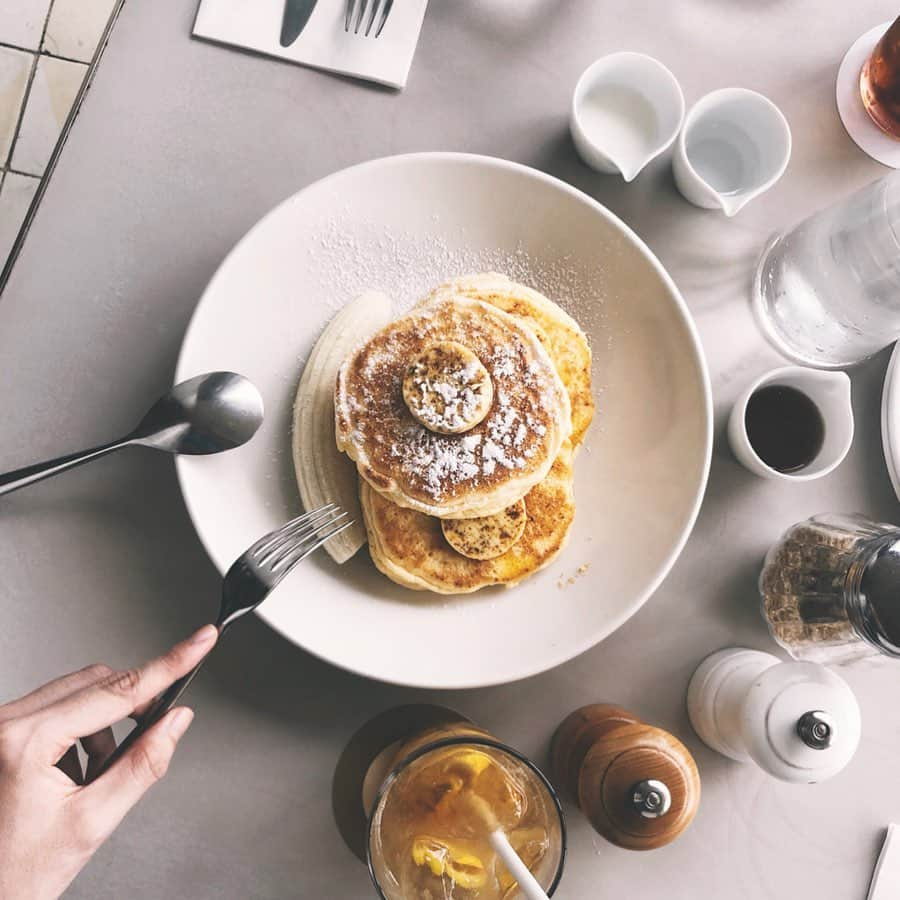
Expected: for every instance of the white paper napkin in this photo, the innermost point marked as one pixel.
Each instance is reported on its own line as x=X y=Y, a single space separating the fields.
x=323 y=44
x=886 y=880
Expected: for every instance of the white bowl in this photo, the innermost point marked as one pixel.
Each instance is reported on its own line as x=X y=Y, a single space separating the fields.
x=402 y=224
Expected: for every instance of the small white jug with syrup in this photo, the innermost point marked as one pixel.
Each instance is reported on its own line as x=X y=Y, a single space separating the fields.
x=830 y=395
x=734 y=146
x=626 y=110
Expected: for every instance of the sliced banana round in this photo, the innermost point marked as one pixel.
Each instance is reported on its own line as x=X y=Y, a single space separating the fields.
x=488 y=536
x=447 y=389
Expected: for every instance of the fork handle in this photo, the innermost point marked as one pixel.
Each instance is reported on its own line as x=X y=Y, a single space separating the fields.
x=161 y=706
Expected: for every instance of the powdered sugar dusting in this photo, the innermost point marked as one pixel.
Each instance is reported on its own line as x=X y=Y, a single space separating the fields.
x=351 y=258
x=447 y=462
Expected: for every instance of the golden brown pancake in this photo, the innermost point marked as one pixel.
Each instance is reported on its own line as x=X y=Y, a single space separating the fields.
x=561 y=335
x=409 y=547
x=476 y=473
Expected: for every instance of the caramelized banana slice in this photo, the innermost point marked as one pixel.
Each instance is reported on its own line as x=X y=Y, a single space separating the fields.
x=442 y=858
x=488 y=536
x=447 y=389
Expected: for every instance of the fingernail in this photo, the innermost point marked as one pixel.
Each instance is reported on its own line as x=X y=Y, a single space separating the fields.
x=206 y=635
x=179 y=720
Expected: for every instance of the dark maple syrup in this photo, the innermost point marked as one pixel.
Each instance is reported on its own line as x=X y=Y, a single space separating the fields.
x=785 y=427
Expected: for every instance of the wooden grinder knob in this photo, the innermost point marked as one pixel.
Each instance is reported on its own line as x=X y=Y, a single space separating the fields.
x=638 y=785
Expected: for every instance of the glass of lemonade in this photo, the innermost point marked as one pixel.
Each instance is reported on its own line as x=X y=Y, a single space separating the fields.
x=429 y=840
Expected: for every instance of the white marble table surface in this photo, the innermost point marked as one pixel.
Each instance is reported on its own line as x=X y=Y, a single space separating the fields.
x=179 y=148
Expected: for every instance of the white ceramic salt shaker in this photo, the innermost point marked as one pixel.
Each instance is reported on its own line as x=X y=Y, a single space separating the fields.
x=798 y=721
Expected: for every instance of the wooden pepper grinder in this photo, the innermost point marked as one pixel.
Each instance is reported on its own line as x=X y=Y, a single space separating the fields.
x=638 y=785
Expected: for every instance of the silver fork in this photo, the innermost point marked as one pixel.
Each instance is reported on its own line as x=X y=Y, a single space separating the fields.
x=357 y=9
x=248 y=582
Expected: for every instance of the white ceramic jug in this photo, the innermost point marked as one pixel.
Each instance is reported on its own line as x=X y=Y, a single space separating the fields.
x=829 y=391
x=735 y=145
x=626 y=110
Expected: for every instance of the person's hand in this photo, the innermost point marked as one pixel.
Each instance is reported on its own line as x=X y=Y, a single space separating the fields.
x=50 y=821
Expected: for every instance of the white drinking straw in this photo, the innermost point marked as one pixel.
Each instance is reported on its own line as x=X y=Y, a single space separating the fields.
x=528 y=884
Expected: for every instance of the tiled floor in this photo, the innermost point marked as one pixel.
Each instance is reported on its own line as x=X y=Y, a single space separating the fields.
x=45 y=48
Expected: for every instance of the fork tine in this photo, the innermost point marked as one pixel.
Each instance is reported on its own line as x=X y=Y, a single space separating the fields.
x=348 y=18
x=372 y=14
x=300 y=532
x=267 y=540
x=362 y=11
x=298 y=553
x=385 y=12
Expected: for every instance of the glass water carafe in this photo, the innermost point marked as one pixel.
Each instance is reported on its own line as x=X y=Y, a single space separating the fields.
x=828 y=292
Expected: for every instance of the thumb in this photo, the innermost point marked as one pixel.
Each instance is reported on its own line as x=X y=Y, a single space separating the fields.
x=112 y=795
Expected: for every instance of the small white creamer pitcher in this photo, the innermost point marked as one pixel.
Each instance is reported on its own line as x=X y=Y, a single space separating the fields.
x=734 y=146
x=626 y=110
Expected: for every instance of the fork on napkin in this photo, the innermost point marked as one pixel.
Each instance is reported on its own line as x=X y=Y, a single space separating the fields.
x=324 y=43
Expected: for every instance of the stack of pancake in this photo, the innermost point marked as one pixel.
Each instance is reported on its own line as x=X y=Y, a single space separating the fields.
x=463 y=418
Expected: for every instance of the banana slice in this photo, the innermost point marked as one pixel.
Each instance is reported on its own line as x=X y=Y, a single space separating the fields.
x=447 y=389
x=324 y=474
x=487 y=536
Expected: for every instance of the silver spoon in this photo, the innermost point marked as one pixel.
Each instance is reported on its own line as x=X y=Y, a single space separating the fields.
x=207 y=414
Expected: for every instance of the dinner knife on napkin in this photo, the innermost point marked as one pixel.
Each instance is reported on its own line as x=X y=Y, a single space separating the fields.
x=296 y=15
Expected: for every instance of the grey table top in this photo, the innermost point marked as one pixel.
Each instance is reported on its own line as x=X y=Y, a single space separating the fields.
x=179 y=148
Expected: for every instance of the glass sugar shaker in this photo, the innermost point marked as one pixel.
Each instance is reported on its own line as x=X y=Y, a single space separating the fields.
x=830 y=589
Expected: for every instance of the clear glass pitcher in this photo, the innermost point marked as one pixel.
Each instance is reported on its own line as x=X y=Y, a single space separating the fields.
x=828 y=292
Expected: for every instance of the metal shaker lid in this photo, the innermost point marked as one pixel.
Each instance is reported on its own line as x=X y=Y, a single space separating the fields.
x=651 y=798
x=801 y=722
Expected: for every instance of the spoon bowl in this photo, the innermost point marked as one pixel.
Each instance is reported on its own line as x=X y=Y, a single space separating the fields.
x=206 y=414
